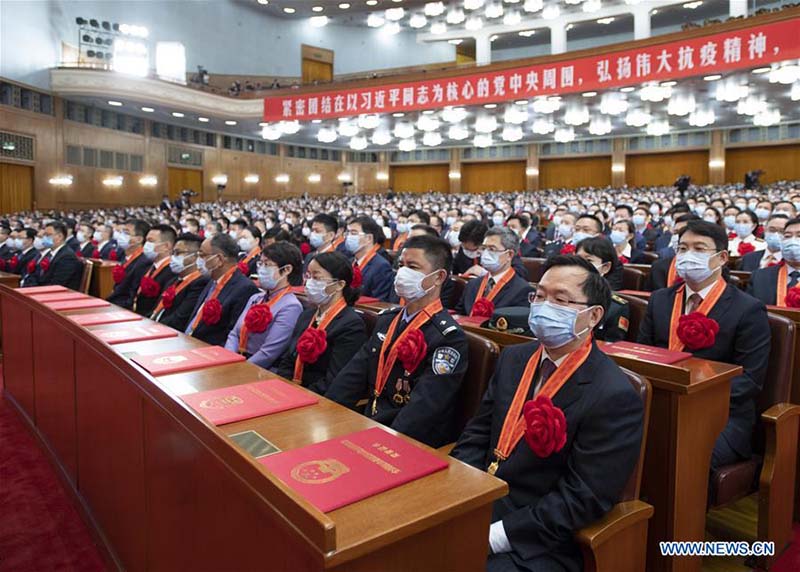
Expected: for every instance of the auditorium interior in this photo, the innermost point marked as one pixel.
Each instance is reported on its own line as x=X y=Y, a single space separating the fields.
x=400 y=285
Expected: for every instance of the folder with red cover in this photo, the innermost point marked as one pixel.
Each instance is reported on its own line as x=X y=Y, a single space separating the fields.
x=341 y=471
x=77 y=304
x=186 y=360
x=135 y=333
x=42 y=290
x=99 y=318
x=367 y=300
x=474 y=321
x=643 y=352
x=239 y=402
x=55 y=296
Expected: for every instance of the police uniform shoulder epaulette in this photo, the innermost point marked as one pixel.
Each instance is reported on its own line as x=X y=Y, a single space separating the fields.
x=618 y=299
x=392 y=310
x=445 y=323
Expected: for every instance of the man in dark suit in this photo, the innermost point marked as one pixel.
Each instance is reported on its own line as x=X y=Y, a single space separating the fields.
x=157 y=250
x=415 y=399
x=72 y=240
x=743 y=337
x=519 y=225
x=659 y=270
x=764 y=281
x=363 y=240
x=179 y=299
x=165 y=205
x=27 y=255
x=84 y=237
x=107 y=245
x=59 y=266
x=6 y=251
x=771 y=255
x=503 y=288
x=323 y=238
x=467 y=260
x=129 y=275
x=554 y=492
x=226 y=294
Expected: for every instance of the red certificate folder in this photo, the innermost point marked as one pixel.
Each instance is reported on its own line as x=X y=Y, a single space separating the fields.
x=42 y=290
x=231 y=404
x=367 y=300
x=185 y=360
x=341 y=471
x=77 y=304
x=474 y=321
x=96 y=319
x=135 y=333
x=643 y=352
x=54 y=296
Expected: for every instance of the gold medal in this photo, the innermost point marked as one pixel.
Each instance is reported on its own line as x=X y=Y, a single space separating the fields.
x=374 y=405
x=493 y=467
x=398 y=398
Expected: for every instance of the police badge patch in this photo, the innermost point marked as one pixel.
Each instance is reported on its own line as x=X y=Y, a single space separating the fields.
x=445 y=360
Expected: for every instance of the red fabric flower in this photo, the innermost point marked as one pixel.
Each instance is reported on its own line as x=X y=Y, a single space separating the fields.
x=623 y=259
x=568 y=248
x=44 y=264
x=94 y=242
x=149 y=287
x=113 y=255
x=483 y=307
x=258 y=318
x=2 y=264
x=411 y=350
x=13 y=262
x=697 y=331
x=79 y=254
x=168 y=297
x=202 y=233
x=244 y=268
x=118 y=273
x=311 y=344
x=95 y=253
x=745 y=247
x=731 y=235
x=358 y=278
x=31 y=266
x=793 y=297
x=545 y=426
x=212 y=312
x=305 y=248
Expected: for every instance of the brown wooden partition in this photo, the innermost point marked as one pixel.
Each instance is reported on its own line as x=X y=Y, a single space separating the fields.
x=162 y=489
x=102 y=283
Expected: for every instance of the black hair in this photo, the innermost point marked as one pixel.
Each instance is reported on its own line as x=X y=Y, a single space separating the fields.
x=423 y=216
x=190 y=238
x=524 y=221
x=680 y=208
x=624 y=207
x=779 y=215
x=330 y=223
x=168 y=233
x=597 y=221
x=140 y=227
x=600 y=247
x=57 y=226
x=226 y=246
x=283 y=253
x=716 y=212
x=29 y=233
x=437 y=250
x=595 y=287
x=340 y=268
x=216 y=225
x=709 y=229
x=369 y=226
x=473 y=231
x=255 y=231
x=752 y=215
x=240 y=222
x=795 y=220
x=687 y=217
x=427 y=228
x=278 y=233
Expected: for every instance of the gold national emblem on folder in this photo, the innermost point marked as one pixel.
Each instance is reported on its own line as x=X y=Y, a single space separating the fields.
x=169 y=359
x=319 y=472
x=221 y=402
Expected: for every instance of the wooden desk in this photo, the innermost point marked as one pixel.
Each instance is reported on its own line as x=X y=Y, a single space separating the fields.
x=9 y=279
x=102 y=280
x=164 y=490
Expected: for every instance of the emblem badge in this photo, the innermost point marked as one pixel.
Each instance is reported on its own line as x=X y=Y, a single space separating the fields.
x=445 y=360
x=169 y=359
x=319 y=472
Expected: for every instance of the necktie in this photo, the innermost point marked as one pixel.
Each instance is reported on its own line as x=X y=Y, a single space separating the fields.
x=489 y=286
x=693 y=303
x=794 y=278
x=546 y=370
x=767 y=260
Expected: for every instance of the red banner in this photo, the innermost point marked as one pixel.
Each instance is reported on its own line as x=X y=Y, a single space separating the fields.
x=745 y=48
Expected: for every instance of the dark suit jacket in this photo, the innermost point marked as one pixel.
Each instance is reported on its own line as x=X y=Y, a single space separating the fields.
x=5 y=253
x=87 y=250
x=764 y=284
x=345 y=334
x=514 y=293
x=73 y=243
x=751 y=261
x=663 y=241
x=743 y=339
x=108 y=248
x=233 y=299
x=144 y=305
x=462 y=263
x=377 y=278
x=123 y=293
x=177 y=316
x=252 y=266
x=551 y=498
x=659 y=271
x=24 y=259
x=65 y=270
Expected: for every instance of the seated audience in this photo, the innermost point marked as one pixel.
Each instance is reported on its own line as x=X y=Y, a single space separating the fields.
x=771 y=255
x=248 y=241
x=772 y=284
x=662 y=271
x=27 y=255
x=128 y=275
x=324 y=236
x=363 y=242
x=59 y=265
x=84 y=238
x=157 y=250
x=623 y=237
x=599 y=252
x=178 y=300
x=746 y=240
x=107 y=245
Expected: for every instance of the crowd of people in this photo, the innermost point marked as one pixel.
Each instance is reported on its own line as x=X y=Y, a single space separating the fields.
x=278 y=281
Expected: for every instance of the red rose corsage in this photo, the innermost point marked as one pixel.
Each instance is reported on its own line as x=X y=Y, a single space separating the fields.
x=731 y=235
x=793 y=297
x=13 y=263
x=745 y=248
x=244 y=268
x=483 y=308
x=168 y=297
x=95 y=253
x=149 y=287
x=568 y=249
x=31 y=267
x=411 y=350
x=258 y=318
x=118 y=273
x=305 y=248
x=311 y=344
x=212 y=312
x=357 y=277
x=2 y=264
x=545 y=426
x=623 y=259
x=113 y=254
x=44 y=264
x=79 y=254
x=697 y=331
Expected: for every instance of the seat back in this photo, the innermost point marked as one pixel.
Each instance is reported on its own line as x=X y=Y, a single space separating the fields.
x=458 y=290
x=650 y=256
x=370 y=318
x=638 y=309
x=86 y=277
x=483 y=354
x=643 y=388
x=535 y=268
x=632 y=278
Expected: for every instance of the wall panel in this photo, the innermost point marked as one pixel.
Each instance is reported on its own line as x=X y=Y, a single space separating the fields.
x=572 y=173
x=419 y=178
x=180 y=179
x=494 y=176
x=780 y=162
x=663 y=168
x=16 y=187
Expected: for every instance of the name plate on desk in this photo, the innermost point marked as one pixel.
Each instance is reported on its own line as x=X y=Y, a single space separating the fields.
x=55 y=296
x=99 y=318
x=186 y=360
x=645 y=353
x=341 y=471
x=43 y=290
x=240 y=402
x=135 y=334
x=61 y=305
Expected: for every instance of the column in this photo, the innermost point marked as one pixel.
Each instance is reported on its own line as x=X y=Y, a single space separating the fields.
x=716 y=158
x=641 y=22
x=382 y=175
x=532 y=168
x=737 y=8
x=558 y=38
x=483 y=49
x=617 y=162
x=454 y=173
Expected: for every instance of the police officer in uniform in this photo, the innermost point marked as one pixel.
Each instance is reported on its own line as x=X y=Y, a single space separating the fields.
x=411 y=369
x=614 y=327
x=599 y=252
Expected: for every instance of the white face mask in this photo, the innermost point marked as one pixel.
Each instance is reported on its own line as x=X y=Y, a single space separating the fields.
x=694 y=266
x=315 y=290
x=408 y=284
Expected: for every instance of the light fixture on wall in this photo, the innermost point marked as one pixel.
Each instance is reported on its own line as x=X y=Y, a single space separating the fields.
x=382 y=176
x=115 y=181
x=282 y=178
x=532 y=171
x=220 y=180
x=454 y=175
x=148 y=181
x=314 y=178
x=252 y=178
x=344 y=177
x=618 y=168
x=716 y=164
x=61 y=180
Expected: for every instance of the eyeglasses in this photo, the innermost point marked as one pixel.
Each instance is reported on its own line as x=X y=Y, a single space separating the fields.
x=540 y=297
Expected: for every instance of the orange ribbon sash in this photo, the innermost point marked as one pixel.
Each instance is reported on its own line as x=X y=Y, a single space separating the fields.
x=220 y=285
x=504 y=279
x=243 y=332
x=675 y=344
x=333 y=311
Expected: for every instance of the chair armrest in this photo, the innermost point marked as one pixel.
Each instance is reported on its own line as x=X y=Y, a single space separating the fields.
x=622 y=516
x=446 y=448
x=780 y=413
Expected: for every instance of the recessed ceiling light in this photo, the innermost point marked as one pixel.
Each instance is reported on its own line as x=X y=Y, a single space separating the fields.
x=230 y=122
x=372 y=2
x=693 y=5
x=148 y=109
x=263 y=124
x=761 y=70
x=522 y=102
x=397 y=1
x=427 y=112
x=527 y=33
x=316 y=121
x=454 y=42
x=569 y=26
x=490 y=105
x=589 y=93
x=203 y=119
x=177 y=114
x=289 y=10
x=344 y=5
x=654 y=11
x=398 y=114
x=263 y=2
x=493 y=37
x=317 y=9
x=115 y=103
x=714 y=77
x=669 y=83
x=605 y=21
x=627 y=89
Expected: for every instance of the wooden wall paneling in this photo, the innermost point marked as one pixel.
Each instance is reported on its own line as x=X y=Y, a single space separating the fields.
x=493 y=176
x=299 y=170
x=179 y=179
x=43 y=129
x=663 y=168
x=366 y=178
x=16 y=187
x=18 y=376
x=780 y=162
x=419 y=178
x=574 y=172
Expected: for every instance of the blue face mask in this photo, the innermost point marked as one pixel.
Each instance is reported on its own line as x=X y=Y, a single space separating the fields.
x=123 y=240
x=730 y=221
x=579 y=236
x=743 y=229
x=352 y=243
x=553 y=324
x=149 y=250
x=773 y=240
x=638 y=220
x=790 y=248
x=268 y=277
x=316 y=240
x=178 y=263
x=618 y=237
x=491 y=261
x=47 y=241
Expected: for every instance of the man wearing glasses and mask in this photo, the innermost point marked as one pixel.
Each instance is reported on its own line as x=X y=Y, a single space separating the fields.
x=593 y=415
x=175 y=306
